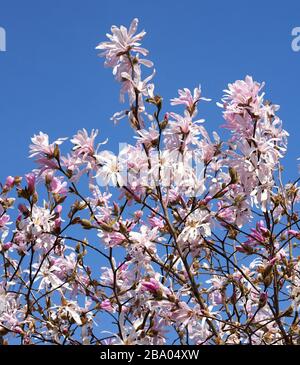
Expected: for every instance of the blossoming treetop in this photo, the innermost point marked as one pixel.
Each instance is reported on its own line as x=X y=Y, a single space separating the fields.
x=200 y=245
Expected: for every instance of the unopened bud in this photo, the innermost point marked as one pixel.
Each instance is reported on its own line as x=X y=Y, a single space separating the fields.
x=86 y=224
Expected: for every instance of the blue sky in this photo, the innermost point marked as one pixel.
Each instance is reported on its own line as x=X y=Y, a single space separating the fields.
x=52 y=80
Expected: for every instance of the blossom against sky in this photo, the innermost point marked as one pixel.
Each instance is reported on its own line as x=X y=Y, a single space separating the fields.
x=251 y=159
x=52 y=81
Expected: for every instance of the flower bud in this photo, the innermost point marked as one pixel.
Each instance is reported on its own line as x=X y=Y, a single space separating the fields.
x=86 y=224
x=263 y=298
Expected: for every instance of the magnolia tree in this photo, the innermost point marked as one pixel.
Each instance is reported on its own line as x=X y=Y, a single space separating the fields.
x=180 y=238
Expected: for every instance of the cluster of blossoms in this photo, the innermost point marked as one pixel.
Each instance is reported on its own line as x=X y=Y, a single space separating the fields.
x=199 y=246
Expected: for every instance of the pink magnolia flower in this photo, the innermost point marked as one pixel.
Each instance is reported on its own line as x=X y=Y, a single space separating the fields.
x=216 y=290
x=106 y=305
x=30 y=178
x=9 y=183
x=186 y=98
x=148 y=137
x=138 y=214
x=131 y=84
x=197 y=224
x=156 y=222
x=181 y=131
x=120 y=42
x=183 y=314
x=40 y=145
x=294 y=233
x=207 y=148
x=226 y=213
x=112 y=239
x=241 y=93
x=85 y=144
x=258 y=236
x=7 y=246
x=58 y=186
x=260 y=233
x=4 y=220
x=150 y=285
x=239 y=123
x=246 y=247
x=145 y=237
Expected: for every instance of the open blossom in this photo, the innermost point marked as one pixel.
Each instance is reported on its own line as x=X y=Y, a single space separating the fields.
x=121 y=41
x=44 y=152
x=65 y=267
x=58 y=186
x=131 y=85
x=35 y=228
x=106 y=305
x=241 y=104
x=208 y=149
x=242 y=93
x=181 y=131
x=47 y=276
x=217 y=289
x=151 y=285
x=83 y=143
x=124 y=276
x=110 y=169
x=41 y=147
x=156 y=222
x=145 y=238
x=188 y=99
x=4 y=221
x=122 y=54
x=258 y=141
x=69 y=309
x=112 y=239
x=148 y=137
x=197 y=224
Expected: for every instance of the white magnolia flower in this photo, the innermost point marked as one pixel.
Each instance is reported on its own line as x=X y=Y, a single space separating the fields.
x=110 y=169
x=197 y=224
x=47 y=275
